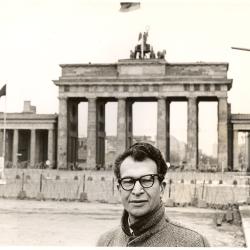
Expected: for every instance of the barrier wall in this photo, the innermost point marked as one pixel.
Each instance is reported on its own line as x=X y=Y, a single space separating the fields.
x=182 y=187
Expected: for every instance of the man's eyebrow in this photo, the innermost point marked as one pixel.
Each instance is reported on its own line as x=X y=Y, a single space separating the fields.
x=127 y=177
x=135 y=178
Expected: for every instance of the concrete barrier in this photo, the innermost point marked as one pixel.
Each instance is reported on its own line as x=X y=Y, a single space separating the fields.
x=101 y=186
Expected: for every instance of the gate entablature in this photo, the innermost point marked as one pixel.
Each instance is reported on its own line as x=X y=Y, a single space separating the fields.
x=148 y=77
x=160 y=67
x=129 y=79
x=240 y=122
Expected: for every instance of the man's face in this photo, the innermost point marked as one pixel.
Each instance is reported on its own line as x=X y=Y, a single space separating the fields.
x=140 y=201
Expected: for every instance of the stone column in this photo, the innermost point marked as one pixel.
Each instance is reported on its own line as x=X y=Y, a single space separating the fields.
x=1 y=142
x=72 y=131
x=121 y=126
x=129 y=123
x=62 y=135
x=91 y=138
x=33 y=147
x=230 y=140
x=235 y=150
x=248 y=150
x=168 y=131
x=192 y=133
x=222 y=133
x=163 y=127
x=51 y=146
x=100 y=132
x=15 y=148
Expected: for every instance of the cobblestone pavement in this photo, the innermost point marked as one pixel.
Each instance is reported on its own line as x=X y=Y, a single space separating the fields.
x=39 y=223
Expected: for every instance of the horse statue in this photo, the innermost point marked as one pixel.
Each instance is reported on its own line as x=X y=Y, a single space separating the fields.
x=142 y=49
x=161 y=54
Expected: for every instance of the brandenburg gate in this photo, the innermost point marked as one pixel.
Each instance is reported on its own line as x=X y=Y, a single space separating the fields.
x=144 y=79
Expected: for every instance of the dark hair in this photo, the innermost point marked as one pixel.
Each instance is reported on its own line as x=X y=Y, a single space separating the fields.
x=139 y=152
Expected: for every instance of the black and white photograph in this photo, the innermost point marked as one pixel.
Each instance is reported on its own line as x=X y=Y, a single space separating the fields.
x=124 y=124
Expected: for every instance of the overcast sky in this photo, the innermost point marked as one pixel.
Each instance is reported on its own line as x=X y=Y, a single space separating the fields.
x=38 y=35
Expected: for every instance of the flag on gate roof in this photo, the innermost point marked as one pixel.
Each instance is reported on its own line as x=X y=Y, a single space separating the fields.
x=3 y=90
x=140 y=36
x=129 y=6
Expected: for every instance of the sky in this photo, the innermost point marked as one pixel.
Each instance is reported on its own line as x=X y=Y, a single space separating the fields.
x=39 y=35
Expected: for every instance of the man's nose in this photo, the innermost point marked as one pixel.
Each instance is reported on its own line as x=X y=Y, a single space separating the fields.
x=138 y=189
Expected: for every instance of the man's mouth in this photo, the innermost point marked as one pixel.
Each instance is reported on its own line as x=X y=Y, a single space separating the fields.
x=138 y=201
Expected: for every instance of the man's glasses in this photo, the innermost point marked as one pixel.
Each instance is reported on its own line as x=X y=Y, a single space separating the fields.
x=146 y=181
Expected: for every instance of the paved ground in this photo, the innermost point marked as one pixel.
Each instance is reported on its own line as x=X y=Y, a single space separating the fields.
x=245 y=215
x=80 y=224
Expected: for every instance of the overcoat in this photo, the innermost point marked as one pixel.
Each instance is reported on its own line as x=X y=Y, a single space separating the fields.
x=155 y=230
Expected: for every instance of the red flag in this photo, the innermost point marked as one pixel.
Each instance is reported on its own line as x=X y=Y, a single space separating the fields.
x=3 y=90
x=129 y=6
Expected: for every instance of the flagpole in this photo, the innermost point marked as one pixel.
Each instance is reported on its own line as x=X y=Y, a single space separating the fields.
x=4 y=127
x=4 y=135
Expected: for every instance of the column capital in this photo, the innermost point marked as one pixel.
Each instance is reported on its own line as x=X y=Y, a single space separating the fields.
x=192 y=97
x=222 y=98
x=223 y=101
x=92 y=98
x=161 y=98
x=62 y=98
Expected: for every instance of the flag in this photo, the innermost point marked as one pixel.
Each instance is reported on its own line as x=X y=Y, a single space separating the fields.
x=129 y=6
x=140 y=36
x=240 y=48
x=3 y=90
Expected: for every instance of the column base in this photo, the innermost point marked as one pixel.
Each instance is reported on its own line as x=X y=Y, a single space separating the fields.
x=61 y=165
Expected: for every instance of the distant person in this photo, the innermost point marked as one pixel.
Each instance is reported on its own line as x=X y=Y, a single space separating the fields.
x=140 y=171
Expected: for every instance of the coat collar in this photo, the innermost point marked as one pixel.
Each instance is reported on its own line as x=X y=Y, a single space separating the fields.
x=144 y=223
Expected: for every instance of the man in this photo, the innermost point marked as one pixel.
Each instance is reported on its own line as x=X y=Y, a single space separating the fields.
x=140 y=171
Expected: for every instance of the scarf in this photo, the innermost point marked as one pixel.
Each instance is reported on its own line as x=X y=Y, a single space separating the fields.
x=143 y=223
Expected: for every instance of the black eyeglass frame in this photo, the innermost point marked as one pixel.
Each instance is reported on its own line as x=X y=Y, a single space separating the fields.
x=161 y=178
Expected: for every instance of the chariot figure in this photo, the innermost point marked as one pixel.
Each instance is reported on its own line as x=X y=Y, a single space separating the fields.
x=142 y=48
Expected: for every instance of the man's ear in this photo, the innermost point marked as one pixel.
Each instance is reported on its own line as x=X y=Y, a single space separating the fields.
x=163 y=186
